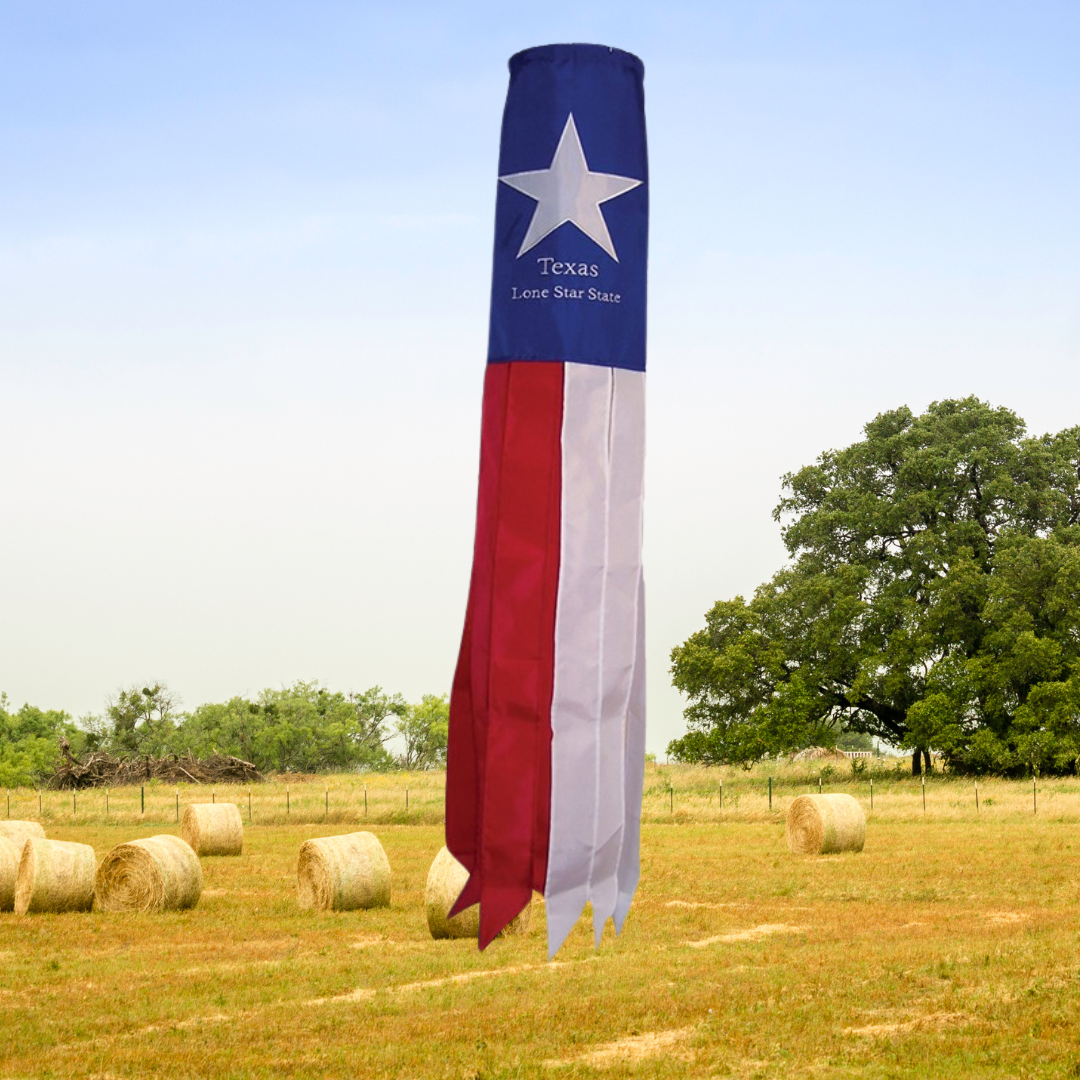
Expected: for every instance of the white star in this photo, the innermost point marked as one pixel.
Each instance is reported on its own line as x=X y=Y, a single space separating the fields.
x=569 y=192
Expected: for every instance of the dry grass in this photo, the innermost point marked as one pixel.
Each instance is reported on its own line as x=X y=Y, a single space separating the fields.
x=632 y=1049
x=932 y=1020
x=947 y=948
x=755 y=933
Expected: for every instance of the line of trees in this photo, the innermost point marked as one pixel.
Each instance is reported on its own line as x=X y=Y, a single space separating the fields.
x=300 y=728
x=931 y=600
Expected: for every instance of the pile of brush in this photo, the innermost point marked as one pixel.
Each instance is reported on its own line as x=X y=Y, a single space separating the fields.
x=105 y=770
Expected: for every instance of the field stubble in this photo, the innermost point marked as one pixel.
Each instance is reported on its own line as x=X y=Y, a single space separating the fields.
x=948 y=947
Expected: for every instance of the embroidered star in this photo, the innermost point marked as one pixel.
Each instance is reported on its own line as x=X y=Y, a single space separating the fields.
x=569 y=193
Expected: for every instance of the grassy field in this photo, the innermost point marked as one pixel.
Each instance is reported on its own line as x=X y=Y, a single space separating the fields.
x=949 y=947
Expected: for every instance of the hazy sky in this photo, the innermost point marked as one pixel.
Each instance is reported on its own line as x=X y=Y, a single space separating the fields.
x=244 y=273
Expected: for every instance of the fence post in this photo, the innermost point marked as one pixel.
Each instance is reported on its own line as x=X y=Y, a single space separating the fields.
x=871 y=793
x=924 y=793
x=39 y=802
x=213 y=795
x=1034 y=798
x=249 y=806
x=770 y=792
x=74 y=807
x=721 y=794
x=286 y=798
x=819 y=785
x=177 y=804
x=671 y=795
x=9 y=803
x=106 y=804
x=142 y=800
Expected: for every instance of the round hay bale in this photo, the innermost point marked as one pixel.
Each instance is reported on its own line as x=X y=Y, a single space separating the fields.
x=161 y=873
x=55 y=875
x=213 y=828
x=445 y=880
x=18 y=832
x=9 y=871
x=342 y=873
x=820 y=824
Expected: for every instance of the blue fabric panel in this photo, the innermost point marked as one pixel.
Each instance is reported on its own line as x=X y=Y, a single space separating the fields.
x=567 y=298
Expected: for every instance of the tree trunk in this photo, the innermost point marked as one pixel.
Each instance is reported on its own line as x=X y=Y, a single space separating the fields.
x=916 y=759
x=927 y=762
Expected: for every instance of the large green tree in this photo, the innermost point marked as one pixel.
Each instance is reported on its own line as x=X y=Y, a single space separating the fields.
x=931 y=599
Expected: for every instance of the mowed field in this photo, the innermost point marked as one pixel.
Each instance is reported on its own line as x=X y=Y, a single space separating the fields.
x=949 y=947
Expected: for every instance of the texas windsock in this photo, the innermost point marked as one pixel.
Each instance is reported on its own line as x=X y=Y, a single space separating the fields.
x=547 y=715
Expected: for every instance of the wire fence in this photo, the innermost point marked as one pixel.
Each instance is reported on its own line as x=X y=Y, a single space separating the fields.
x=688 y=794
x=413 y=799
x=673 y=794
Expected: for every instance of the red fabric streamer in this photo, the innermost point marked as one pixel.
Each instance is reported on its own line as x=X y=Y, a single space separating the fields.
x=499 y=773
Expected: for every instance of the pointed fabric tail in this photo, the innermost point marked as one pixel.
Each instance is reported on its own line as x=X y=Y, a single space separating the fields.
x=498 y=767
x=597 y=721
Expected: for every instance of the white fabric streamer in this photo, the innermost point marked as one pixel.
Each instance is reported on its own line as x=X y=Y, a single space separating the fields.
x=597 y=713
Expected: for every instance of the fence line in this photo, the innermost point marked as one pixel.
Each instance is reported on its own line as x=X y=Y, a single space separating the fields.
x=395 y=802
x=418 y=799
x=925 y=797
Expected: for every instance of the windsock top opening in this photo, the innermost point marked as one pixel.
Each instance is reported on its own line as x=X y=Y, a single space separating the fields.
x=581 y=54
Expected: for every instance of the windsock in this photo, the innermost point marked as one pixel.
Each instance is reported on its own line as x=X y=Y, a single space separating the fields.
x=547 y=712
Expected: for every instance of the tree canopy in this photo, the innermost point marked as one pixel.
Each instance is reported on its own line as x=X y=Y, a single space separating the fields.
x=424 y=730
x=29 y=742
x=931 y=599
x=300 y=728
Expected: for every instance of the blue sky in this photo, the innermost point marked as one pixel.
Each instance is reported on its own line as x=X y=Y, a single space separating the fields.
x=244 y=272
